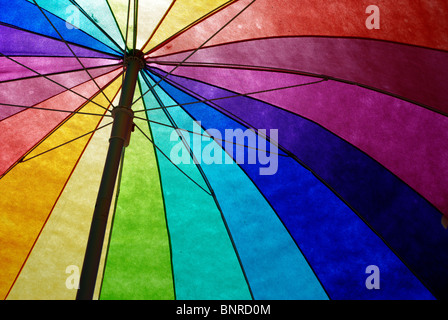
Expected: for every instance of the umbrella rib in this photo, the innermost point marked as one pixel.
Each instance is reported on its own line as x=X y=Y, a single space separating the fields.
x=116 y=23
x=309 y=74
x=96 y=24
x=295 y=158
x=125 y=41
x=50 y=133
x=46 y=77
x=231 y=96
x=212 y=192
x=127 y=22
x=243 y=122
x=184 y=29
x=159 y=23
x=71 y=50
x=173 y=123
x=239 y=66
x=63 y=144
x=135 y=24
x=323 y=181
x=304 y=36
x=156 y=157
x=112 y=56
x=168 y=158
x=197 y=49
x=56 y=73
x=55 y=110
x=186 y=145
x=232 y=115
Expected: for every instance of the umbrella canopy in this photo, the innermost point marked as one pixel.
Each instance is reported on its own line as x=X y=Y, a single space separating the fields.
x=278 y=149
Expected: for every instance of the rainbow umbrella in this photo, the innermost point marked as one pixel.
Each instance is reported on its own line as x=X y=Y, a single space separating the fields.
x=233 y=150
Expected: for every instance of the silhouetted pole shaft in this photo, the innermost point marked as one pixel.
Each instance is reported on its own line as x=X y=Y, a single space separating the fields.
x=121 y=130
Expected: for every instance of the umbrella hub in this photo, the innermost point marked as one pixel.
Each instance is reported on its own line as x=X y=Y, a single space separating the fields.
x=123 y=114
x=135 y=55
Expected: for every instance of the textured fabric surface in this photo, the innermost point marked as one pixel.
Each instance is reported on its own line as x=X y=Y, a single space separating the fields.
x=280 y=149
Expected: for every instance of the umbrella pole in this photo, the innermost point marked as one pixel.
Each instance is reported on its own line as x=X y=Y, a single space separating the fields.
x=121 y=131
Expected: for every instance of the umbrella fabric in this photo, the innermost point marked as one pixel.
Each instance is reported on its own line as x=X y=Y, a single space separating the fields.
x=342 y=165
